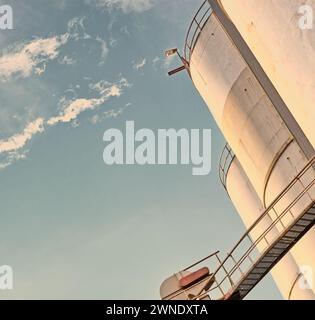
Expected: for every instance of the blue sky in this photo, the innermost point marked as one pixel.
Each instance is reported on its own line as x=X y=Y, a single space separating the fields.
x=72 y=227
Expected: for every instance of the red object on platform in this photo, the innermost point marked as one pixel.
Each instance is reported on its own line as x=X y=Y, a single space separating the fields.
x=194 y=277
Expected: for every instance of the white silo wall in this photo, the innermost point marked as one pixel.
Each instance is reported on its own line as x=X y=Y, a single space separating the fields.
x=250 y=123
x=272 y=29
x=250 y=208
x=241 y=109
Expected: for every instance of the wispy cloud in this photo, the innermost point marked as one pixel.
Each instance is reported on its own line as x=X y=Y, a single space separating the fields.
x=76 y=29
x=137 y=65
x=71 y=109
x=28 y=58
x=125 y=5
x=19 y=140
x=24 y=59
x=112 y=113
x=104 y=49
x=163 y=63
x=155 y=61
x=108 y=89
x=113 y=42
x=13 y=148
x=67 y=60
x=32 y=57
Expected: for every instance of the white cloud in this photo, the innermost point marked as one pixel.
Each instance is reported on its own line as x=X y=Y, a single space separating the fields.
x=107 y=89
x=111 y=23
x=67 y=60
x=31 y=57
x=19 y=140
x=76 y=29
x=163 y=63
x=113 y=42
x=95 y=119
x=27 y=58
x=73 y=108
x=14 y=147
x=112 y=113
x=139 y=65
x=156 y=60
x=40 y=70
x=125 y=5
x=12 y=157
x=76 y=24
x=104 y=49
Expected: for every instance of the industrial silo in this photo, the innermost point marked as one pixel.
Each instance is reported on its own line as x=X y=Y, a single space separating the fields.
x=271 y=172
x=286 y=273
x=281 y=35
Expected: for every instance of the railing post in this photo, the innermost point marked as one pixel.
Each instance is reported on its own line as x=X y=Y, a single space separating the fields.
x=226 y=272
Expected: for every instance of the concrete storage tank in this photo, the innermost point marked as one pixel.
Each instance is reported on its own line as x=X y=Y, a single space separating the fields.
x=286 y=50
x=274 y=162
x=261 y=141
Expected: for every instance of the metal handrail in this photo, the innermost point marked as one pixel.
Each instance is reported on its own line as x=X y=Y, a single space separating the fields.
x=197 y=24
x=245 y=254
x=254 y=244
x=225 y=163
x=200 y=261
x=247 y=236
x=276 y=200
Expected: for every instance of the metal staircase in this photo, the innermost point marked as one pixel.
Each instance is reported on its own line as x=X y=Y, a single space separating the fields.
x=274 y=254
x=292 y=214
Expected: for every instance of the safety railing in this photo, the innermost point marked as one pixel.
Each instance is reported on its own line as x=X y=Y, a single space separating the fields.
x=284 y=211
x=212 y=260
x=245 y=253
x=196 y=26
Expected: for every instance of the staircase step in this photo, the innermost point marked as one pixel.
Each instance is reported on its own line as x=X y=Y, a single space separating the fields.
x=255 y=276
x=270 y=259
x=304 y=223
x=298 y=228
x=308 y=216
x=292 y=233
